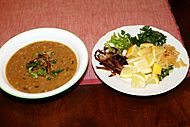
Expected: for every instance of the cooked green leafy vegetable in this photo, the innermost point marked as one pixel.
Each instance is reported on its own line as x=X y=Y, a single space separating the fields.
x=147 y=35
x=121 y=41
x=165 y=72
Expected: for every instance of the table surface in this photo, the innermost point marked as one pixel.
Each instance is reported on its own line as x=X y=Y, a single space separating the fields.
x=101 y=106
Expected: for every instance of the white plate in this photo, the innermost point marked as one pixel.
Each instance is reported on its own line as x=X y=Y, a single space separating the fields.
x=40 y=34
x=124 y=85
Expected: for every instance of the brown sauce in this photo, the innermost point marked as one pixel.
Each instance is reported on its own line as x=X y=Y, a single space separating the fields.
x=41 y=67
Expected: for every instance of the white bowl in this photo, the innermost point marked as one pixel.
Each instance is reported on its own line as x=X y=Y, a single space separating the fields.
x=40 y=34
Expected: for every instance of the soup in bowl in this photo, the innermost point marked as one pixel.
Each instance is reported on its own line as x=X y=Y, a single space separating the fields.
x=42 y=62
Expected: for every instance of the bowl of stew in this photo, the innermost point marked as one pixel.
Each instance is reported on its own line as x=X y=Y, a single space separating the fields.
x=42 y=62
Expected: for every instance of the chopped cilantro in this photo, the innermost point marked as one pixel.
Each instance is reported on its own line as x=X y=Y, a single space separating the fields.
x=48 y=78
x=53 y=62
x=41 y=71
x=41 y=65
x=33 y=74
x=33 y=64
x=56 y=72
x=147 y=35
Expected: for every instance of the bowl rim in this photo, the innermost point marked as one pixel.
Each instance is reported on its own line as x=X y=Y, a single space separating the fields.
x=81 y=68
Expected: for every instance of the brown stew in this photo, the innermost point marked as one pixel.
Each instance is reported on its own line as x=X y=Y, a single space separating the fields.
x=41 y=67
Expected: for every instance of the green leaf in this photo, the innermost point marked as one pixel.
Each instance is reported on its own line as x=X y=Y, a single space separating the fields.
x=121 y=41
x=33 y=74
x=33 y=64
x=41 y=71
x=53 y=62
x=165 y=72
x=147 y=35
x=56 y=72
x=48 y=78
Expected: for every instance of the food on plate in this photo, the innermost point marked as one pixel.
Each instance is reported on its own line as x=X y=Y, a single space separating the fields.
x=149 y=59
x=41 y=66
x=153 y=65
x=111 y=60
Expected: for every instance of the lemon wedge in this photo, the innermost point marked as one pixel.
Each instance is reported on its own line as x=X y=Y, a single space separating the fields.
x=156 y=69
x=146 y=45
x=150 y=59
x=132 y=50
x=131 y=61
x=146 y=70
x=138 y=80
x=128 y=71
x=144 y=51
x=153 y=79
x=141 y=63
x=143 y=66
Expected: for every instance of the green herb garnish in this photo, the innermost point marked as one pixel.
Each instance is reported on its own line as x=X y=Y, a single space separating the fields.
x=56 y=72
x=41 y=71
x=42 y=66
x=119 y=41
x=165 y=72
x=53 y=62
x=147 y=35
x=122 y=41
x=48 y=78
x=33 y=74
x=33 y=64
